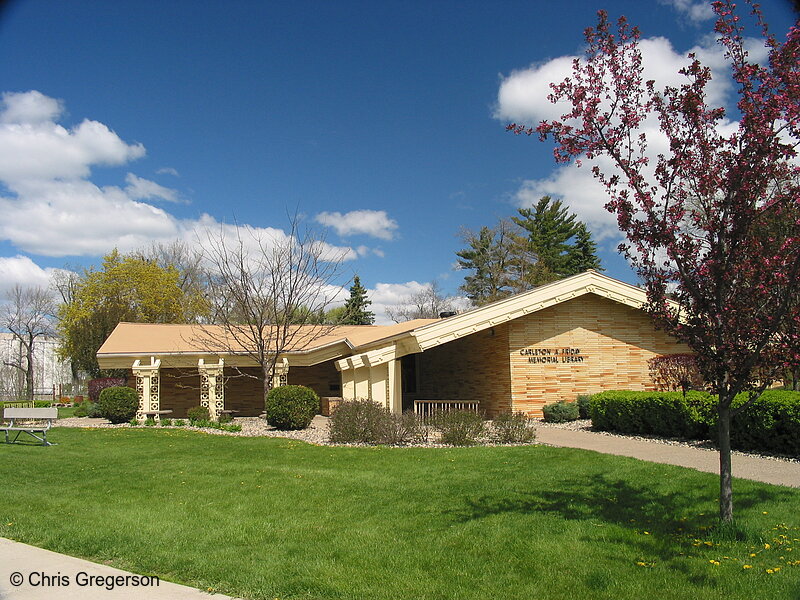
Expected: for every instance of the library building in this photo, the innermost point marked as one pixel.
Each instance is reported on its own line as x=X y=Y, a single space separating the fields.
x=580 y=335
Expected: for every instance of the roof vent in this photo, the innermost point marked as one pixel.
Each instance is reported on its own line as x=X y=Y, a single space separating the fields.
x=444 y=315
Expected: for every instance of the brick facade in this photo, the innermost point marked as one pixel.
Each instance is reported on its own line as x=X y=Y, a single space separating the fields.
x=582 y=346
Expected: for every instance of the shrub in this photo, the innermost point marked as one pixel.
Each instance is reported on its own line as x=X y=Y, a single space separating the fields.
x=118 y=404
x=93 y=410
x=459 y=427
x=669 y=414
x=81 y=410
x=560 y=412
x=583 y=405
x=96 y=386
x=359 y=422
x=771 y=423
x=224 y=418
x=77 y=399
x=149 y=422
x=197 y=413
x=179 y=423
x=166 y=422
x=513 y=428
x=404 y=428
x=291 y=406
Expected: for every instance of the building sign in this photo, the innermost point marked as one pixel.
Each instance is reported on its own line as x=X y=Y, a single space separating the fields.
x=553 y=355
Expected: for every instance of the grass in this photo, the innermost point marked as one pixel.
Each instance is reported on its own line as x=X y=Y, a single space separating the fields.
x=276 y=518
x=65 y=412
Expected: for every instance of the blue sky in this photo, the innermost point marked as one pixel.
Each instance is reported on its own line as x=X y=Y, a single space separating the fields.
x=381 y=122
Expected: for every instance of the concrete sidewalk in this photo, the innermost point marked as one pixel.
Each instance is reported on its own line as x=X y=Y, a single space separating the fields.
x=779 y=472
x=46 y=575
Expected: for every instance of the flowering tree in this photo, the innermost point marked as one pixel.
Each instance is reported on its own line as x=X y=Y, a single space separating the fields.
x=698 y=218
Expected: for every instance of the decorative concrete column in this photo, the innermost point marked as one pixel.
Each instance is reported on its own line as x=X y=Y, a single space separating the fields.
x=280 y=374
x=147 y=386
x=212 y=387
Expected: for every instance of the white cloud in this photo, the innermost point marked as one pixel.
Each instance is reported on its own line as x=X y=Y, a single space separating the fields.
x=168 y=171
x=55 y=210
x=695 y=11
x=522 y=98
x=22 y=271
x=375 y=223
x=144 y=189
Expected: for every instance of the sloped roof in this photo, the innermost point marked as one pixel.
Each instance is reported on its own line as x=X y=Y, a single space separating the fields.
x=317 y=343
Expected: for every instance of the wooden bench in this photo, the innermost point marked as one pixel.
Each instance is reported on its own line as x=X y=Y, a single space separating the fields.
x=30 y=421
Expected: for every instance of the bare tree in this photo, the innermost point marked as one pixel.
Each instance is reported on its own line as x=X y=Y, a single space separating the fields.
x=429 y=303
x=265 y=288
x=28 y=315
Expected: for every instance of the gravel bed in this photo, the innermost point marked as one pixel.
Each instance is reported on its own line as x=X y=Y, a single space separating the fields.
x=317 y=433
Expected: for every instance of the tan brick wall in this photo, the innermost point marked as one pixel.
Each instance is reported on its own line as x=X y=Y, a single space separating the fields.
x=614 y=343
x=474 y=367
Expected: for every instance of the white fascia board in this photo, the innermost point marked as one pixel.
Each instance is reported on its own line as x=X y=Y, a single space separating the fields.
x=526 y=303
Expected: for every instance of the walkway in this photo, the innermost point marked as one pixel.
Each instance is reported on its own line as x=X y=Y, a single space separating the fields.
x=21 y=562
x=766 y=470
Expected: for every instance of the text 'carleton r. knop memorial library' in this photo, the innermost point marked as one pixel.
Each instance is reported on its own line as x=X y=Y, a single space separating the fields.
x=580 y=335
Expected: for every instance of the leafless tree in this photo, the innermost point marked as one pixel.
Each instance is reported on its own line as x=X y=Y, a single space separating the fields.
x=28 y=315
x=266 y=288
x=426 y=304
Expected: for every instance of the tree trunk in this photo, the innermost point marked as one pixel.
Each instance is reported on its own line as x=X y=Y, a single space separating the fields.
x=29 y=373
x=725 y=471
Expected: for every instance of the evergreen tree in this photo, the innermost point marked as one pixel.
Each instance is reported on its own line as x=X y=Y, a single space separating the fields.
x=583 y=253
x=356 y=311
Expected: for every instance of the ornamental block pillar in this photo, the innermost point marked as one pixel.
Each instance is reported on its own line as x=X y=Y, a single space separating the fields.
x=212 y=387
x=147 y=387
x=280 y=374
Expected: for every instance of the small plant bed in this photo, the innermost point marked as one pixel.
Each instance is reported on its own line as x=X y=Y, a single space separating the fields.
x=200 y=424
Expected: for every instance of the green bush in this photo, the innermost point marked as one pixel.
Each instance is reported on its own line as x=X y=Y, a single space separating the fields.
x=149 y=422
x=459 y=427
x=224 y=418
x=513 y=428
x=771 y=423
x=197 y=413
x=359 y=422
x=179 y=423
x=118 y=404
x=583 y=405
x=93 y=410
x=291 y=407
x=668 y=414
x=166 y=422
x=560 y=412
x=81 y=410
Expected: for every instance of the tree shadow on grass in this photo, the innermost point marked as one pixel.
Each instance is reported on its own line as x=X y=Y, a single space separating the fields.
x=672 y=519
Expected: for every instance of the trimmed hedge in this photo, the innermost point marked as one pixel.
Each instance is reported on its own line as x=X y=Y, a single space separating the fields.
x=771 y=423
x=118 y=404
x=291 y=406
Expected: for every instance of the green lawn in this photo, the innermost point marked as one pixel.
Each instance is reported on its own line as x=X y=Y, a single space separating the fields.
x=274 y=518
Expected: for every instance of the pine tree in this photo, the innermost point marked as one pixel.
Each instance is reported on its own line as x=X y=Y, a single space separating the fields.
x=582 y=255
x=356 y=312
x=547 y=229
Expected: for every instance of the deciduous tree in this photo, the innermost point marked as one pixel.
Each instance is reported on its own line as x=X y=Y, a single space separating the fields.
x=28 y=314
x=692 y=216
x=126 y=288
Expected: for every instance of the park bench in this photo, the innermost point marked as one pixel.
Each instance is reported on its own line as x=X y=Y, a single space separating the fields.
x=30 y=421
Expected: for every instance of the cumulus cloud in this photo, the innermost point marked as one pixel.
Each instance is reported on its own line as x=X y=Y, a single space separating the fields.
x=375 y=223
x=144 y=189
x=22 y=271
x=54 y=209
x=522 y=98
